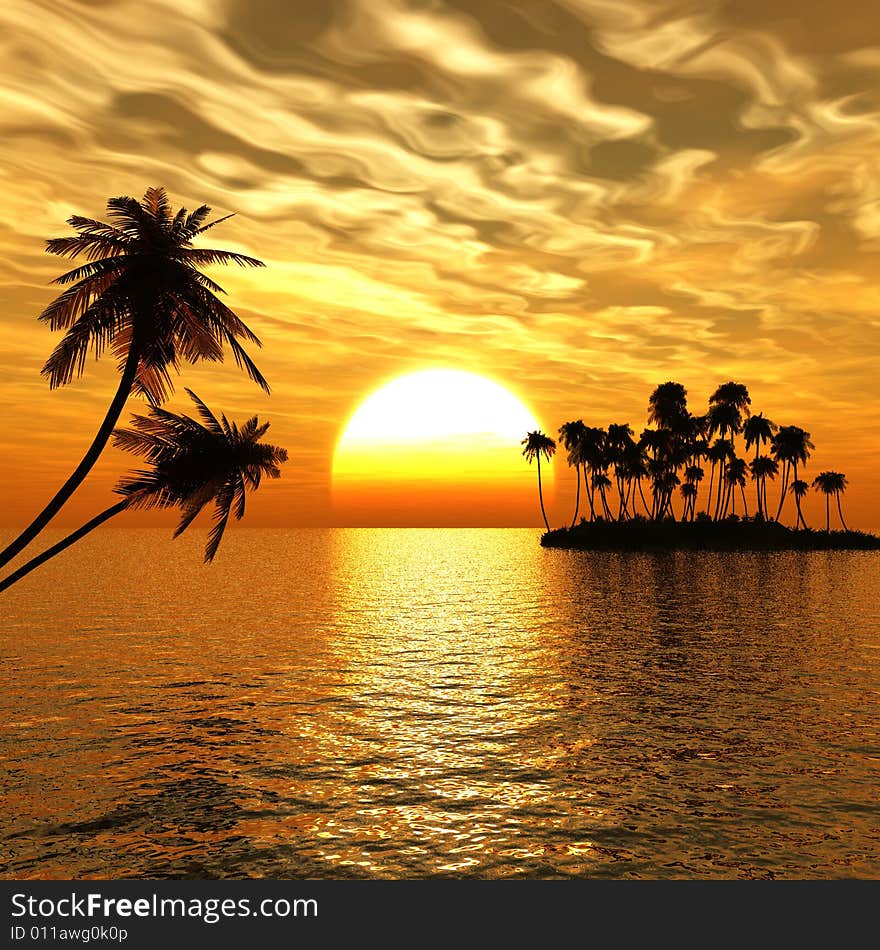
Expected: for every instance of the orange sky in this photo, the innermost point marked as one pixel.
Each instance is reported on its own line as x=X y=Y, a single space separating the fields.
x=578 y=198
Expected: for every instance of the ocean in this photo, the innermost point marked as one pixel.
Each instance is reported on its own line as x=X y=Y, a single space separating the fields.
x=417 y=703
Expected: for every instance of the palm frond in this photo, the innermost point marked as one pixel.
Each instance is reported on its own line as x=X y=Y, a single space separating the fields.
x=206 y=256
x=208 y=417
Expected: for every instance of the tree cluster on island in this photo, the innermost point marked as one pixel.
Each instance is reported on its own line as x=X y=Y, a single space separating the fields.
x=628 y=478
x=142 y=294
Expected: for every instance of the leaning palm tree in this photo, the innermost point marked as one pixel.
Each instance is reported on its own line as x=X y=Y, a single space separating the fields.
x=799 y=488
x=831 y=483
x=141 y=294
x=537 y=444
x=191 y=463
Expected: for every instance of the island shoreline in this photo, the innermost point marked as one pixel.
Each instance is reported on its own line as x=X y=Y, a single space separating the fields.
x=639 y=534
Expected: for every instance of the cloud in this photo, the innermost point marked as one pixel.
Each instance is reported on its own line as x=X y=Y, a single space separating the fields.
x=581 y=196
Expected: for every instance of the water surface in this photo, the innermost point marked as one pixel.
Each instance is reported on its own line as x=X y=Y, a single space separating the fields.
x=418 y=703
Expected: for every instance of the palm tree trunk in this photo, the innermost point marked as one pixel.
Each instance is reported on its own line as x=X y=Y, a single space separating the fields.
x=827 y=512
x=642 y=494
x=711 y=481
x=541 y=493
x=839 y=512
x=785 y=468
x=72 y=538
x=577 y=500
x=742 y=489
x=87 y=463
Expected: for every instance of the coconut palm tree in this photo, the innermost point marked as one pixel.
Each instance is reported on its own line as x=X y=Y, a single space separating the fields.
x=667 y=405
x=617 y=445
x=789 y=446
x=601 y=481
x=571 y=434
x=592 y=453
x=720 y=452
x=758 y=430
x=831 y=483
x=537 y=444
x=799 y=488
x=141 y=294
x=693 y=475
x=689 y=494
x=735 y=395
x=190 y=464
x=734 y=477
x=763 y=467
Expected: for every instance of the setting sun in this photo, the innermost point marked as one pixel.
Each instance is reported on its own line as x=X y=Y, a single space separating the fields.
x=433 y=436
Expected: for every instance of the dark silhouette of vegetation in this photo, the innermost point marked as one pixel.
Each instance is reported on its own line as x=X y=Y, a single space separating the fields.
x=142 y=294
x=191 y=464
x=831 y=483
x=537 y=444
x=670 y=454
x=702 y=534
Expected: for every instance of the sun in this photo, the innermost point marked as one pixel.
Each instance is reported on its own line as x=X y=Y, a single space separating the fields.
x=438 y=446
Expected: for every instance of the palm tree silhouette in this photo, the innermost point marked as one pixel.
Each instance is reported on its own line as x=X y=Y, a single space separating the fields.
x=667 y=405
x=143 y=295
x=617 y=446
x=758 y=430
x=572 y=436
x=790 y=445
x=734 y=477
x=689 y=494
x=799 y=488
x=537 y=444
x=601 y=481
x=693 y=475
x=831 y=483
x=763 y=467
x=720 y=452
x=592 y=453
x=191 y=463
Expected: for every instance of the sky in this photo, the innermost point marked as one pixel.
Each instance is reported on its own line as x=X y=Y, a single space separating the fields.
x=578 y=199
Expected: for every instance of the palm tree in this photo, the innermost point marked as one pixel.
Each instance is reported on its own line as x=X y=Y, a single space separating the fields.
x=537 y=444
x=191 y=463
x=571 y=435
x=831 y=483
x=592 y=453
x=799 y=489
x=617 y=445
x=758 y=430
x=601 y=481
x=667 y=405
x=763 y=467
x=735 y=395
x=720 y=451
x=734 y=477
x=693 y=475
x=689 y=494
x=142 y=294
x=790 y=445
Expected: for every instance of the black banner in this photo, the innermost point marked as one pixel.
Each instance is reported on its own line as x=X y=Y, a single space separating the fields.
x=170 y=914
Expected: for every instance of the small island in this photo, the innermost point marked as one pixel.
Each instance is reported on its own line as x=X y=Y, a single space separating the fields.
x=631 y=484
x=703 y=534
